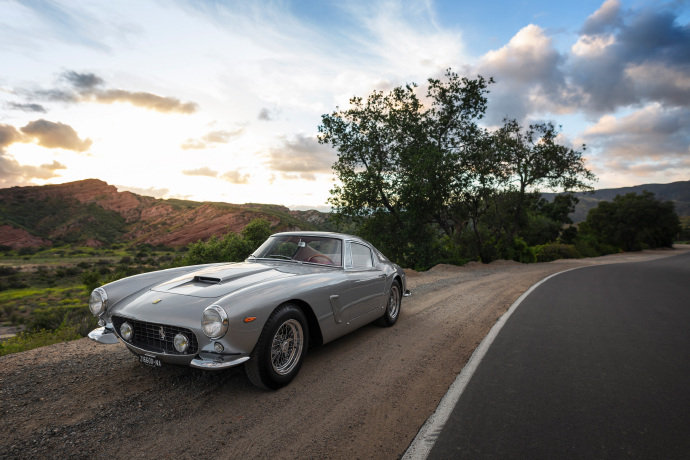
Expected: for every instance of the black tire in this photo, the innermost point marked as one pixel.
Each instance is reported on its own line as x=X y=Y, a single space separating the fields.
x=278 y=355
x=390 y=316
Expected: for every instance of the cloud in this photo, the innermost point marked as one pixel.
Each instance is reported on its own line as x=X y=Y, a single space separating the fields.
x=234 y=177
x=142 y=99
x=528 y=76
x=14 y=173
x=621 y=58
x=203 y=171
x=57 y=95
x=264 y=114
x=214 y=137
x=55 y=135
x=85 y=81
x=303 y=154
x=9 y=135
x=88 y=87
x=625 y=58
x=607 y=17
x=301 y=176
x=150 y=191
x=28 y=107
x=650 y=140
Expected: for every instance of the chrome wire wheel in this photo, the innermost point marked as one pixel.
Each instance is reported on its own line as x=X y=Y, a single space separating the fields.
x=287 y=347
x=393 y=307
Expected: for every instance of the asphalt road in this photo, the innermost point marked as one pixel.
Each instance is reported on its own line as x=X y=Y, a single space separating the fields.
x=594 y=363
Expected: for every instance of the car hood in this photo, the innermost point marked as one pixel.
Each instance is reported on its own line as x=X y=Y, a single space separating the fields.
x=221 y=280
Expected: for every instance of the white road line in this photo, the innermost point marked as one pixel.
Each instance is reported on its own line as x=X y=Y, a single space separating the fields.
x=430 y=431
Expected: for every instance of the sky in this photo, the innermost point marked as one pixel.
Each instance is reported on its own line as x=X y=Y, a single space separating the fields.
x=221 y=100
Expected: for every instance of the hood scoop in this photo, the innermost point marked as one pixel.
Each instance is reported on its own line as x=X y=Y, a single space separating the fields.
x=207 y=279
x=227 y=274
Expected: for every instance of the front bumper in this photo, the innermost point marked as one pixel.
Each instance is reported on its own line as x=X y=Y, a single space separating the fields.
x=103 y=335
x=203 y=360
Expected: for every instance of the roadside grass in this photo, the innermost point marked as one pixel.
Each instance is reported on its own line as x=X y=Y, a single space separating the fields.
x=44 y=293
x=34 y=339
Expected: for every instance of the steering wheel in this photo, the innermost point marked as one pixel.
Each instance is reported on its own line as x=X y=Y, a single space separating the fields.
x=320 y=256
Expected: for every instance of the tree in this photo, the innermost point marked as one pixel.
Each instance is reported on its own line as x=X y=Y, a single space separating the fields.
x=633 y=222
x=256 y=232
x=399 y=161
x=419 y=175
x=533 y=158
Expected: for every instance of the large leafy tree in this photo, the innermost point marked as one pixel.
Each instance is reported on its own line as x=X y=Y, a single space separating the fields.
x=419 y=173
x=399 y=160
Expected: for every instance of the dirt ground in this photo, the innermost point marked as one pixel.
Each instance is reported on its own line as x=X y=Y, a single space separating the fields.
x=363 y=396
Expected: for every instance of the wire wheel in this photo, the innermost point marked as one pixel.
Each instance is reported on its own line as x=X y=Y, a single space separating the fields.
x=287 y=347
x=393 y=307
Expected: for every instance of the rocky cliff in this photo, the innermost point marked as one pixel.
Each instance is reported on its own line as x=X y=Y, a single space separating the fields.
x=93 y=212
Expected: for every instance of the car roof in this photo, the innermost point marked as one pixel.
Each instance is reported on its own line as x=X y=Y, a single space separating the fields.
x=342 y=236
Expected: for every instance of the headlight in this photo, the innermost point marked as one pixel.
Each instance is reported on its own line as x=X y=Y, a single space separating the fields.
x=181 y=342
x=97 y=301
x=214 y=322
x=126 y=331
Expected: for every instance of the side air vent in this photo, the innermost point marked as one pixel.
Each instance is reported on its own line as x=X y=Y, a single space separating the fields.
x=207 y=279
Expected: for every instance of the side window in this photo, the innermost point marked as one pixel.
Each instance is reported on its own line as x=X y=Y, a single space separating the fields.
x=361 y=256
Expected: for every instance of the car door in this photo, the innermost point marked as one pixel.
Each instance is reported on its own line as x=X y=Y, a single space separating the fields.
x=365 y=282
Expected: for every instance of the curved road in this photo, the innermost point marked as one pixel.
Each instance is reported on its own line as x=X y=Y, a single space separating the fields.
x=595 y=363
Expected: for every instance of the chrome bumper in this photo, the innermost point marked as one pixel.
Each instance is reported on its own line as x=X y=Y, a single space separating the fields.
x=103 y=335
x=206 y=361
x=217 y=362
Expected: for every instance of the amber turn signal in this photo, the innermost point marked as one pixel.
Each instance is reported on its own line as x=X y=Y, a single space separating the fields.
x=249 y=319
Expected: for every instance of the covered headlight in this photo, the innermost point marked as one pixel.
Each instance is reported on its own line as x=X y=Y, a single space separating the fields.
x=97 y=301
x=181 y=342
x=214 y=322
x=126 y=331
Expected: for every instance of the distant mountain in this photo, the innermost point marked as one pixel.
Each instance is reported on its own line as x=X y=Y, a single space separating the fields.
x=91 y=212
x=678 y=192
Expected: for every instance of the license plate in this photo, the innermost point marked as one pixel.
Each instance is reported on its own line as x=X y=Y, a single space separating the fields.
x=149 y=361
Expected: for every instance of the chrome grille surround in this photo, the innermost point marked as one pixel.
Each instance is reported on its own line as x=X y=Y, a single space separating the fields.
x=147 y=336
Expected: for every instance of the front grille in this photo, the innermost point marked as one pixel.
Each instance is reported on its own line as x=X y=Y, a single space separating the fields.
x=148 y=336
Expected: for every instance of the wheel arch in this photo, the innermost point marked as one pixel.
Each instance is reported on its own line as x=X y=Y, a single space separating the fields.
x=398 y=279
x=315 y=336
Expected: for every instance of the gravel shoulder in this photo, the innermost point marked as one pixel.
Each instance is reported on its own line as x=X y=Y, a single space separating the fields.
x=363 y=396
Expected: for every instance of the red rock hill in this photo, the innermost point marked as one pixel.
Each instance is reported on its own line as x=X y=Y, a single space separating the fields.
x=39 y=215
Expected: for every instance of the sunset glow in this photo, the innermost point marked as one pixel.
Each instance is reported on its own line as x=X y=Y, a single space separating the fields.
x=221 y=101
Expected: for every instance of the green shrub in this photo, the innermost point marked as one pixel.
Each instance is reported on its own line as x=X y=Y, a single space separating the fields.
x=57 y=316
x=91 y=280
x=554 y=251
x=231 y=248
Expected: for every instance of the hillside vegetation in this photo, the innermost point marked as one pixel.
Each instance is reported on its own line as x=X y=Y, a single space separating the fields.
x=93 y=213
x=676 y=192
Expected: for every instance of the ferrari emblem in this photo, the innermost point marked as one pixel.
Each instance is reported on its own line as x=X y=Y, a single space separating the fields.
x=156 y=301
x=161 y=332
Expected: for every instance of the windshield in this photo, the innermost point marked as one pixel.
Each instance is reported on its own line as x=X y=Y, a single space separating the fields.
x=312 y=249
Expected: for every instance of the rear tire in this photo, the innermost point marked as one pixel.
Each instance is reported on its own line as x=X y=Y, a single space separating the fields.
x=280 y=350
x=392 y=312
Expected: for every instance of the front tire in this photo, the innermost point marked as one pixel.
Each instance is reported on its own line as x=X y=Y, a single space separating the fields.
x=392 y=312
x=278 y=355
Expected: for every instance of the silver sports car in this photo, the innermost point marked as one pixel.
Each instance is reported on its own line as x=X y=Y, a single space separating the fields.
x=297 y=289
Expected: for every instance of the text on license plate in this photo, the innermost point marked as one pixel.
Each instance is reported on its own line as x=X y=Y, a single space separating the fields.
x=150 y=361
